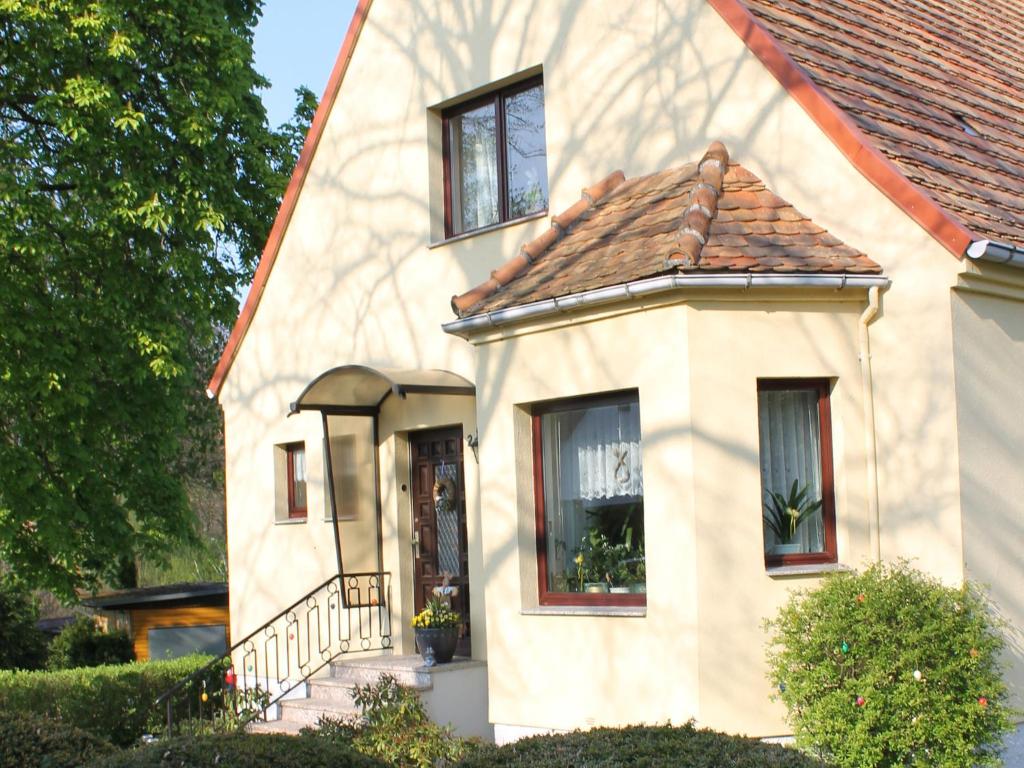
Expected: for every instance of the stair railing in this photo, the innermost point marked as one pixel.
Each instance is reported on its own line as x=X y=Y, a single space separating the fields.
x=345 y=614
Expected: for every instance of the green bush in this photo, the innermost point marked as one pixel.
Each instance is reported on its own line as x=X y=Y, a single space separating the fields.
x=241 y=750
x=22 y=645
x=891 y=668
x=115 y=703
x=30 y=741
x=649 y=746
x=394 y=727
x=82 y=644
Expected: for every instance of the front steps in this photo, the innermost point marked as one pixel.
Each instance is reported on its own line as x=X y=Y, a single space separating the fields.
x=332 y=696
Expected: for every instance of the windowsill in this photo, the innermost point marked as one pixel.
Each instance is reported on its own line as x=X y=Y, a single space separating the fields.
x=485 y=230
x=812 y=569
x=291 y=521
x=622 y=611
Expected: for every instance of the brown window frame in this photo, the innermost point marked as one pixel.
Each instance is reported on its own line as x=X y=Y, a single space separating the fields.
x=496 y=97
x=295 y=511
x=823 y=387
x=546 y=597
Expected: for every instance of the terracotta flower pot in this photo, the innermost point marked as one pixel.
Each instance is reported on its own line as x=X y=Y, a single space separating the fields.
x=437 y=645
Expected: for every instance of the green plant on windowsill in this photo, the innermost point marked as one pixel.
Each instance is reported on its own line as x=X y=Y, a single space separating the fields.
x=785 y=514
x=600 y=562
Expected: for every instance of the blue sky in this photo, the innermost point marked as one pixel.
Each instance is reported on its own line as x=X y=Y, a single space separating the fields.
x=296 y=43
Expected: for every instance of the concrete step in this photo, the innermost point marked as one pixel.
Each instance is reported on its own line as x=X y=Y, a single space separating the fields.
x=309 y=711
x=275 y=726
x=407 y=670
x=331 y=689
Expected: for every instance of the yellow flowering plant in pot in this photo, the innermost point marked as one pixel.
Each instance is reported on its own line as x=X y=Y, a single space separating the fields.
x=437 y=631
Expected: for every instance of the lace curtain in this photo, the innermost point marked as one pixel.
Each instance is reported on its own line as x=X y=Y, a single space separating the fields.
x=599 y=452
x=591 y=461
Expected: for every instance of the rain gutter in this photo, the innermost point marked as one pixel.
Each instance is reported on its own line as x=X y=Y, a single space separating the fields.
x=999 y=253
x=655 y=285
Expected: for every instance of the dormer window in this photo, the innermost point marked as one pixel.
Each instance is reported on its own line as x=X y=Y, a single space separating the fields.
x=495 y=158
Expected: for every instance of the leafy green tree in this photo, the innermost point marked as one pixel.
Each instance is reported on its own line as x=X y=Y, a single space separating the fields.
x=138 y=182
x=22 y=645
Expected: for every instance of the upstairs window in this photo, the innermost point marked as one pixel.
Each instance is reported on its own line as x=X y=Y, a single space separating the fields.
x=296 y=458
x=798 y=509
x=589 y=495
x=495 y=158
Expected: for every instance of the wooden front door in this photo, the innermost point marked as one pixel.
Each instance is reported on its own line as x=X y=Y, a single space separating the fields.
x=439 y=520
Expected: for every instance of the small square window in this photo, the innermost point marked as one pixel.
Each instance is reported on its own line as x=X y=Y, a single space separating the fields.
x=296 y=460
x=495 y=158
x=589 y=495
x=797 y=504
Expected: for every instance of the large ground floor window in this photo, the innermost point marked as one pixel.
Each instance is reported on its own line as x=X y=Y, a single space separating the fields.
x=589 y=493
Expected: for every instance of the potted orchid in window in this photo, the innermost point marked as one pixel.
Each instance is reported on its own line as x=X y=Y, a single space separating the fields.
x=785 y=514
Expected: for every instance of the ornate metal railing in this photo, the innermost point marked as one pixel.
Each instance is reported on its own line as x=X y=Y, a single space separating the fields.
x=345 y=614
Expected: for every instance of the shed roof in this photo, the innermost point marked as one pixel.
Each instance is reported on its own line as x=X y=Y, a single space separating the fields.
x=215 y=592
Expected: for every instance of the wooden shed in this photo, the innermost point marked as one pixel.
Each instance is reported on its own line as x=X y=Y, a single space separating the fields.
x=171 y=620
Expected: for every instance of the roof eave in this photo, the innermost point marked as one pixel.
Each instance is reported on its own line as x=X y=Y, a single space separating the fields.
x=468 y=326
x=289 y=200
x=998 y=253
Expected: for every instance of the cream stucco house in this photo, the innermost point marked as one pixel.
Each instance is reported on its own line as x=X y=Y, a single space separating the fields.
x=798 y=257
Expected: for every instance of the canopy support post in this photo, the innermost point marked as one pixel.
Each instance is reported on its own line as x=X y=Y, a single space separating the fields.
x=329 y=482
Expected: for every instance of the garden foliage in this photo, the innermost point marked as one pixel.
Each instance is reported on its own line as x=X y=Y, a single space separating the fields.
x=115 y=703
x=648 y=746
x=394 y=728
x=891 y=668
x=240 y=751
x=83 y=644
x=22 y=646
x=30 y=741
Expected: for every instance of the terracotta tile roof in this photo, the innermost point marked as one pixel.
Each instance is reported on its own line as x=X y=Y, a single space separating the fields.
x=710 y=216
x=937 y=86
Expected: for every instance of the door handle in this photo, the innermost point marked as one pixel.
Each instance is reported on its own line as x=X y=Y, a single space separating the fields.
x=416 y=544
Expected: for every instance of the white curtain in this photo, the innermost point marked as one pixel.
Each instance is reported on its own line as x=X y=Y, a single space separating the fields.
x=474 y=169
x=607 y=442
x=790 y=450
x=599 y=452
x=484 y=187
x=590 y=455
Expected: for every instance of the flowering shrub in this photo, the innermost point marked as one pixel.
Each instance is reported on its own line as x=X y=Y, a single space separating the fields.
x=891 y=668
x=436 y=615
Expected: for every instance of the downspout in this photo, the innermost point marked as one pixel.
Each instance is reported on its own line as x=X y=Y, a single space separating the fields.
x=869 y=313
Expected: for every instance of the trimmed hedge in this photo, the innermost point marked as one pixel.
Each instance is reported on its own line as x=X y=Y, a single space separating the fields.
x=112 y=702
x=241 y=750
x=649 y=746
x=30 y=741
